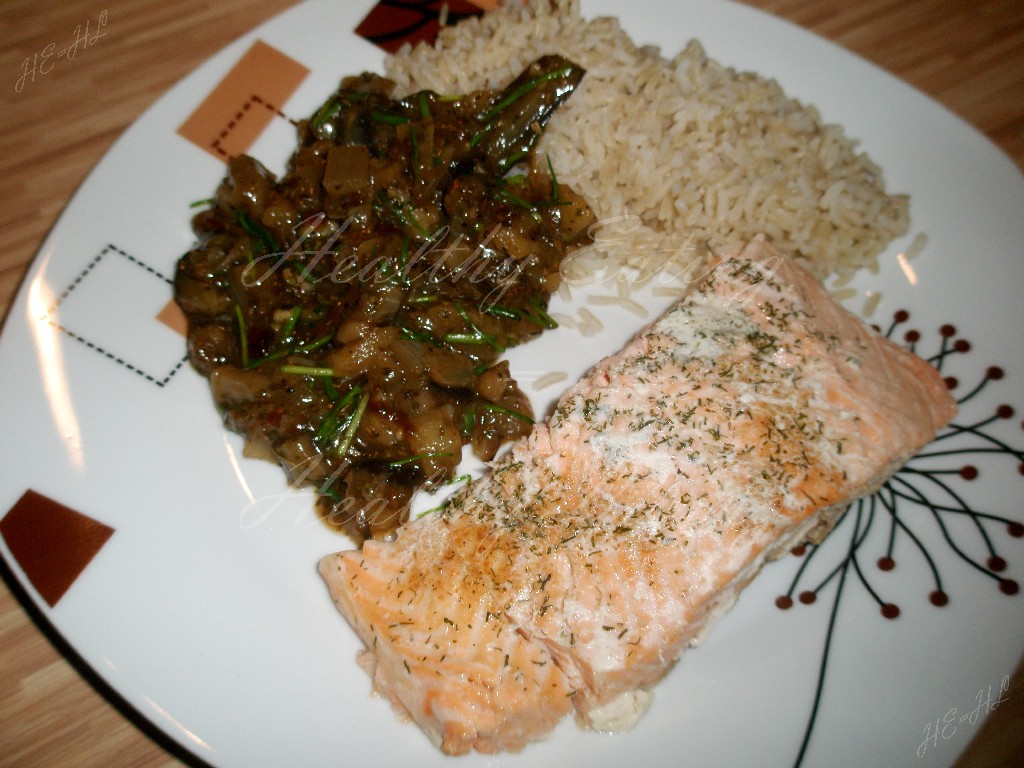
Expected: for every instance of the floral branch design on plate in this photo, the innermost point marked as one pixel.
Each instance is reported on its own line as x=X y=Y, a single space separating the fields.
x=922 y=493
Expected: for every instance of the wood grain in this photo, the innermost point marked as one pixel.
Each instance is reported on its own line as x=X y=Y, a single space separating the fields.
x=967 y=54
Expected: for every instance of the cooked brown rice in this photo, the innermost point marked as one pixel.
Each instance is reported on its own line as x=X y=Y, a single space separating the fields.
x=677 y=154
x=550 y=379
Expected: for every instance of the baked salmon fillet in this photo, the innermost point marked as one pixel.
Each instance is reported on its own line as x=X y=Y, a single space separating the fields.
x=573 y=574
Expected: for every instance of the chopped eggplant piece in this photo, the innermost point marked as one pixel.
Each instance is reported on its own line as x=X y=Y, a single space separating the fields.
x=352 y=313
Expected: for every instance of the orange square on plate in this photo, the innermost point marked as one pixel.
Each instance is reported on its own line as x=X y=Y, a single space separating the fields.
x=247 y=99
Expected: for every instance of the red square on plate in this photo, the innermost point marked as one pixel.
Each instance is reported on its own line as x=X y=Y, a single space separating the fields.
x=52 y=543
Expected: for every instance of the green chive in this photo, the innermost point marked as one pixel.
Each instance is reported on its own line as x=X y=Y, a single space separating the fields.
x=508 y=313
x=267 y=358
x=330 y=427
x=353 y=424
x=289 y=327
x=511 y=160
x=554 y=181
x=307 y=370
x=253 y=228
x=403 y=257
x=415 y=154
x=328 y=109
x=199 y=203
x=327 y=490
x=426 y=298
x=465 y=338
x=383 y=117
x=438 y=508
x=298 y=349
x=415 y=223
x=546 y=320
x=243 y=335
x=383 y=200
x=507 y=412
x=408 y=334
x=477 y=337
x=508 y=197
x=468 y=422
x=330 y=390
x=315 y=344
x=417 y=457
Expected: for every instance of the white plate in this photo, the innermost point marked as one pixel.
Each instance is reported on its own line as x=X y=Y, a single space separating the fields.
x=218 y=629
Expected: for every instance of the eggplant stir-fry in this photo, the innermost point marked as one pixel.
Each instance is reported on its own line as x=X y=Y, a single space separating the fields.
x=351 y=315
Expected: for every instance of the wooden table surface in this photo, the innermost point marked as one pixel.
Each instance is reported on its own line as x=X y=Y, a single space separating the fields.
x=967 y=54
